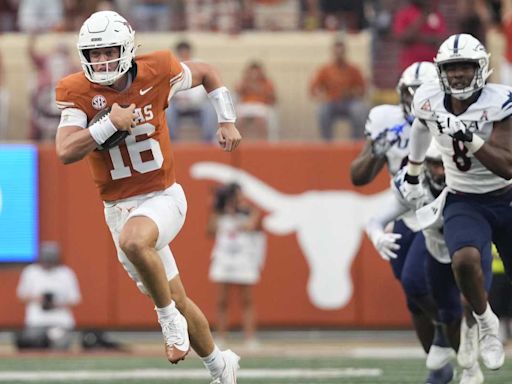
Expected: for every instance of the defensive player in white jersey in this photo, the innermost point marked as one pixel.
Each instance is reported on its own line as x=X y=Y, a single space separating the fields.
x=438 y=265
x=387 y=128
x=387 y=131
x=470 y=121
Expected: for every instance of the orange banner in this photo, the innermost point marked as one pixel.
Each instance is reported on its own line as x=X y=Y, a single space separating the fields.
x=320 y=270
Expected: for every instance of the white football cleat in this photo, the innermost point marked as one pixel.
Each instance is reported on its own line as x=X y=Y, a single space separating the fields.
x=228 y=375
x=491 y=348
x=177 y=343
x=472 y=375
x=468 y=349
x=491 y=352
x=438 y=357
x=441 y=376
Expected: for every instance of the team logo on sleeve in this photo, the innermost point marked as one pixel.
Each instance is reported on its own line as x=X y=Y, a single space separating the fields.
x=99 y=102
x=508 y=103
x=426 y=106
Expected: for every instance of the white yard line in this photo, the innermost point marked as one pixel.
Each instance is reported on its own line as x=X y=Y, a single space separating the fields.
x=185 y=374
x=387 y=353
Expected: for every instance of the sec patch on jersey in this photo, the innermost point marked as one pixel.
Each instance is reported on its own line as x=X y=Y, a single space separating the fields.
x=114 y=140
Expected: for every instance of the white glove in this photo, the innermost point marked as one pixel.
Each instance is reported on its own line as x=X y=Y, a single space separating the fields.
x=453 y=126
x=385 y=243
x=412 y=192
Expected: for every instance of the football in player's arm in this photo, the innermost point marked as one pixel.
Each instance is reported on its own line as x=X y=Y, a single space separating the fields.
x=145 y=207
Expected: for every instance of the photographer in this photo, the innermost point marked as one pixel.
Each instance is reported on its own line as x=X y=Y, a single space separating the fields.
x=237 y=256
x=49 y=291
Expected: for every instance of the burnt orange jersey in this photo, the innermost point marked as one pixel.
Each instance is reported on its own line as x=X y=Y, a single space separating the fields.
x=141 y=164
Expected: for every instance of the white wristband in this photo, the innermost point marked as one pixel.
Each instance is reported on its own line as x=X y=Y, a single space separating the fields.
x=475 y=144
x=102 y=129
x=221 y=100
x=414 y=169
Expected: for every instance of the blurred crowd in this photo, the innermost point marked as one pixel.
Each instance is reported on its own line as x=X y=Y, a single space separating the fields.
x=233 y=16
x=197 y=15
x=402 y=32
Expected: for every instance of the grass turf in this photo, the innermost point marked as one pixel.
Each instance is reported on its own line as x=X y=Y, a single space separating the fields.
x=403 y=371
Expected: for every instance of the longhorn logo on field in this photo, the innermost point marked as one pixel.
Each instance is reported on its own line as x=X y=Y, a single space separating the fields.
x=329 y=226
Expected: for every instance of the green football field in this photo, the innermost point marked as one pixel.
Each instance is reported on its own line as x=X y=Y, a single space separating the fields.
x=301 y=357
x=129 y=368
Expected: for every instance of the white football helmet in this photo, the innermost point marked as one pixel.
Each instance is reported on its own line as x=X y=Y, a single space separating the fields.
x=106 y=29
x=433 y=160
x=410 y=80
x=463 y=48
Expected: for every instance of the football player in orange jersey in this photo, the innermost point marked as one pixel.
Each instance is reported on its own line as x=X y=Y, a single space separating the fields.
x=144 y=206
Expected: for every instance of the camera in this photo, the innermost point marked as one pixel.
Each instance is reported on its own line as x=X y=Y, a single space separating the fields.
x=48 y=301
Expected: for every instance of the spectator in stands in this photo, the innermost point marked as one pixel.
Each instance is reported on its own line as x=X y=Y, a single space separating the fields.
x=192 y=103
x=49 y=290
x=309 y=18
x=274 y=15
x=344 y=15
x=40 y=16
x=474 y=17
x=76 y=11
x=105 y=5
x=152 y=15
x=496 y=8
x=8 y=10
x=339 y=87
x=380 y=17
x=218 y=15
x=255 y=109
x=237 y=257
x=420 y=29
x=50 y=68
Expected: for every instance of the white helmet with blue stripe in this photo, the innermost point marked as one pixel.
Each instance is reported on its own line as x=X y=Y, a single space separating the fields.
x=463 y=47
x=412 y=77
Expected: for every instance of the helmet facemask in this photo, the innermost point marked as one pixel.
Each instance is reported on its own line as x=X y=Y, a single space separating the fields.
x=406 y=95
x=463 y=48
x=477 y=83
x=103 y=30
x=410 y=80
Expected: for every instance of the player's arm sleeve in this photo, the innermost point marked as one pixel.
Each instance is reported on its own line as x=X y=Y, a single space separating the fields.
x=420 y=140
x=73 y=117
x=180 y=81
x=71 y=114
x=373 y=126
x=390 y=211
